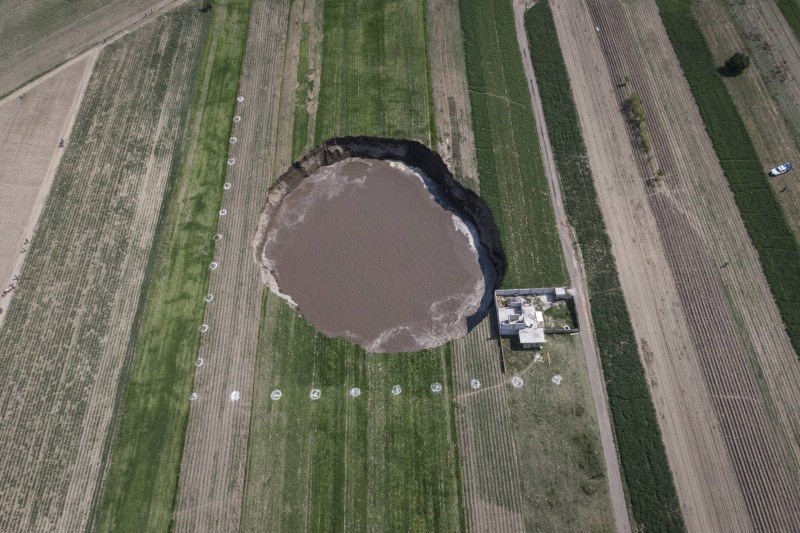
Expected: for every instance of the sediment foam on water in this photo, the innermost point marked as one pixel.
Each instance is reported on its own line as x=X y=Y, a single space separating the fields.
x=370 y=250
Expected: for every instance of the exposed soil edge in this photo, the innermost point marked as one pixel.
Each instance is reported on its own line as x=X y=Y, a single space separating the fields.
x=451 y=194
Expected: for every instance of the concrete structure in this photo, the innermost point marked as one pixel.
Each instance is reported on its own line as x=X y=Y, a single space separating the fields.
x=521 y=312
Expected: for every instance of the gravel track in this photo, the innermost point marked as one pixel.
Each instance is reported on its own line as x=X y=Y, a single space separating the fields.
x=701 y=231
x=215 y=452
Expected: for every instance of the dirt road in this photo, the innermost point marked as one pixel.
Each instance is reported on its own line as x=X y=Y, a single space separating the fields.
x=575 y=267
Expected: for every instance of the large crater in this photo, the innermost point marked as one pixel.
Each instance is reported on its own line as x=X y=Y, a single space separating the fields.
x=375 y=241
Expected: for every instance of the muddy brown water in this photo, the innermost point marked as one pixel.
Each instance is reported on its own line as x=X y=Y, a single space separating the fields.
x=365 y=251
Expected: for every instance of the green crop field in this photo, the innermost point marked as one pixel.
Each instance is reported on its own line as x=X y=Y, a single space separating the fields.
x=344 y=463
x=763 y=217
x=378 y=461
x=646 y=473
x=512 y=176
x=143 y=479
x=791 y=11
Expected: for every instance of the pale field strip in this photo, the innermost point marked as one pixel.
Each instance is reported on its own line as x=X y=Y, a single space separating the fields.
x=491 y=473
x=30 y=130
x=490 y=481
x=23 y=57
x=66 y=340
x=449 y=82
x=702 y=229
x=575 y=267
x=212 y=477
x=709 y=493
x=767 y=93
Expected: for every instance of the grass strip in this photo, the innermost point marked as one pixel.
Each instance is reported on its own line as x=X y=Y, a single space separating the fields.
x=791 y=12
x=763 y=217
x=510 y=166
x=648 y=480
x=143 y=478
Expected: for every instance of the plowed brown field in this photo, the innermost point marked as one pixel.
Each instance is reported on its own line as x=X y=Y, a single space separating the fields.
x=456 y=141
x=720 y=377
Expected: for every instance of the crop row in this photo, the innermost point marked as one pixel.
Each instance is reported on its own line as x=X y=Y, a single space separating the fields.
x=763 y=217
x=647 y=477
x=143 y=478
x=510 y=166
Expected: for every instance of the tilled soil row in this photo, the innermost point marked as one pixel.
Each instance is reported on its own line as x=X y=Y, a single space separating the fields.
x=492 y=483
x=215 y=453
x=759 y=451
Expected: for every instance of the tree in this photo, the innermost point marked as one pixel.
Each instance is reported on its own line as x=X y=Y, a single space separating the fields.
x=736 y=64
x=207 y=5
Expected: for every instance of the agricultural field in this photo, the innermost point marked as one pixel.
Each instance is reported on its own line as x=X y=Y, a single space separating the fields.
x=213 y=472
x=143 y=481
x=31 y=127
x=763 y=217
x=690 y=242
x=38 y=36
x=149 y=380
x=765 y=95
x=645 y=467
x=509 y=479
x=456 y=140
x=512 y=179
x=353 y=462
x=66 y=340
x=791 y=12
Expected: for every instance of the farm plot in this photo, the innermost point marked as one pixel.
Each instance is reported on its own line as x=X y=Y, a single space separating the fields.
x=717 y=273
x=31 y=127
x=765 y=95
x=512 y=179
x=456 y=141
x=142 y=484
x=354 y=459
x=212 y=478
x=505 y=488
x=708 y=490
x=791 y=11
x=66 y=339
x=764 y=219
x=641 y=450
x=376 y=443
x=38 y=36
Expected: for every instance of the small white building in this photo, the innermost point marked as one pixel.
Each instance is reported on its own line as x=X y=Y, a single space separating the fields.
x=519 y=312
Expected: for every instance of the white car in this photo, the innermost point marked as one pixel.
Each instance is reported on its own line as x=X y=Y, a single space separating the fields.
x=781 y=169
